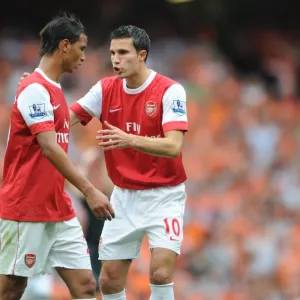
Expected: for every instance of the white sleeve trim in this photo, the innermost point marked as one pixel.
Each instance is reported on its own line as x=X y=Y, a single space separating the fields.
x=92 y=101
x=34 y=104
x=174 y=104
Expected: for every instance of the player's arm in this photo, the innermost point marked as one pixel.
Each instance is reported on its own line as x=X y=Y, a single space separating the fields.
x=59 y=159
x=174 y=125
x=73 y=118
x=169 y=146
x=42 y=127
x=88 y=106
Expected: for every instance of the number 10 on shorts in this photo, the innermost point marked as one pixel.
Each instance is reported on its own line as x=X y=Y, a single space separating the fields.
x=172 y=227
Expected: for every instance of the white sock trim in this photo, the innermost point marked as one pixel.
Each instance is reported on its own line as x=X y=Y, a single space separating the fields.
x=162 y=285
x=118 y=296
x=162 y=291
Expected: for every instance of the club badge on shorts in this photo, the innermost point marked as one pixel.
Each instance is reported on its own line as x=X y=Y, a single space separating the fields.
x=150 y=108
x=30 y=260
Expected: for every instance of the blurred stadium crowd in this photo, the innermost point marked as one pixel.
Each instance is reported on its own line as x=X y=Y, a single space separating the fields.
x=242 y=220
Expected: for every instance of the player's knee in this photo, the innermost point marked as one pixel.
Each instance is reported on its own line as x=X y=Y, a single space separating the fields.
x=86 y=287
x=160 y=276
x=110 y=284
x=13 y=290
x=89 y=286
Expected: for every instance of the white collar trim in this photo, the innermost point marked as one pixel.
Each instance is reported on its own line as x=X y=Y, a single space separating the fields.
x=47 y=78
x=140 y=88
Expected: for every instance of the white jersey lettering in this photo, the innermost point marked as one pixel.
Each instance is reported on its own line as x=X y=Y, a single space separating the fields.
x=133 y=127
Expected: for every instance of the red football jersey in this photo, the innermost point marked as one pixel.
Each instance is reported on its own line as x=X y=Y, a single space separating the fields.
x=156 y=107
x=32 y=189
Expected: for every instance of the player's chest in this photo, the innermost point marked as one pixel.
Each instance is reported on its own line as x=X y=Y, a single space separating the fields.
x=137 y=115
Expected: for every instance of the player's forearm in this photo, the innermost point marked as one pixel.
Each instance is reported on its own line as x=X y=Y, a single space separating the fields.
x=62 y=163
x=163 y=147
x=73 y=118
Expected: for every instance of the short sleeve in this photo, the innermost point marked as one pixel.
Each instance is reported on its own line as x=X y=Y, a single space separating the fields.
x=90 y=105
x=174 y=109
x=35 y=107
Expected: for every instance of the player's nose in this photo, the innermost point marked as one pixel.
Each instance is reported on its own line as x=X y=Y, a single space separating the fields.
x=82 y=58
x=115 y=60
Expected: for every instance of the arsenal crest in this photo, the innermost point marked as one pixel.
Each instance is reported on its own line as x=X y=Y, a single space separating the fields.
x=150 y=108
x=30 y=260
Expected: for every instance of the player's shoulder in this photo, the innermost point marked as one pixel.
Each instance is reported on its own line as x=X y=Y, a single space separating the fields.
x=165 y=81
x=31 y=89
x=32 y=93
x=34 y=80
x=163 y=78
x=169 y=84
x=110 y=81
x=34 y=77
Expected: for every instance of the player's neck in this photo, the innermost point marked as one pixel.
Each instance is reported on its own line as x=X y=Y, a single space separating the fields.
x=138 y=79
x=51 y=68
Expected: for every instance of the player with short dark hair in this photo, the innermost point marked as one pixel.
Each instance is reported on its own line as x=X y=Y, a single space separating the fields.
x=38 y=228
x=144 y=119
x=139 y=36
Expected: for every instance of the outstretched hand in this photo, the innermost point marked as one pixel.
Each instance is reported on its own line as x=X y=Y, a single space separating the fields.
x=25 y=74
x=113 y=138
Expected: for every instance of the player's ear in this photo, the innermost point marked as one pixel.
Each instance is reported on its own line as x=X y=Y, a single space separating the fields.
x=64 y=45
x=142 y=55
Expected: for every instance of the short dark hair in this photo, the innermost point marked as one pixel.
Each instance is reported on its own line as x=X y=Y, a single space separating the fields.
x=141 y=40
x=63 y=26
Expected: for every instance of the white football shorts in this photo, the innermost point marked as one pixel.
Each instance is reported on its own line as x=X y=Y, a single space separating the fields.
x=157 y=213
x=32 y=248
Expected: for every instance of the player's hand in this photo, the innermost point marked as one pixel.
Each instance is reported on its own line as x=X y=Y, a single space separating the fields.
x=113 y=138
x=99 y=205
x=25 y=74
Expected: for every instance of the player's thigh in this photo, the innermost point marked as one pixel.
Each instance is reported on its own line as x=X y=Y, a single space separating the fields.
x=70 y=250
x=122 y=237
x=25 y=247
x=164 y=222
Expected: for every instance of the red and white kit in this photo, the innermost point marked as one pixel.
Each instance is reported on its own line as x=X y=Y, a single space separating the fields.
x=37 y=221
x=149 y=196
